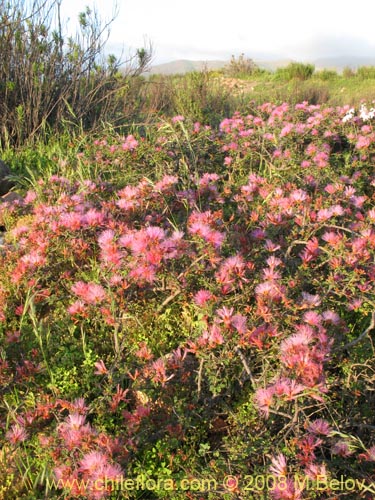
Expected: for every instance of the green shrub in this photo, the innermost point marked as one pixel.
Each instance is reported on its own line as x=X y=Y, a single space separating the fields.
x=326 y=74
x=366 y=72
x=295 y=70
x=348 y=72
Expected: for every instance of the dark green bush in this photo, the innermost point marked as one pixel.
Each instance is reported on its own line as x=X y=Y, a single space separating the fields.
x=295 y=70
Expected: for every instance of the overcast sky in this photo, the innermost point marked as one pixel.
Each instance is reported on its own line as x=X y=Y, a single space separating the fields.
x=215 y=29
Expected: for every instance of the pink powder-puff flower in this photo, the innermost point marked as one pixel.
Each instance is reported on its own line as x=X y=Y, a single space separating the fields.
x=91 y=293
x=101 y=369
x=30 y=197
x=331 y=317
x=16 y=434
x=92 y=462
x=319 y=426
x=310 y=300
x=167 y=182
x=130 y=143
x=332 y=238
x=94 y=218
x=264 y=399
x=77 y=308
x=75 y=421
x=178 y=118
x=371 y=215
x=312 y=318
x=279 y=465
x=215 y=337
x=202 y=297
x=225 y=315
x=316 y=471
x=288 y=387
x=239 y=323
x=355 y=304
x=342 y=449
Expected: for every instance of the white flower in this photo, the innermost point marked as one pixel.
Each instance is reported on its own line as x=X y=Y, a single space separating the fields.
x=349 y=115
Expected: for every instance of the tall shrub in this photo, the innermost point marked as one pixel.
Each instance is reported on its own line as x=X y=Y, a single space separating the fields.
x=48 y=78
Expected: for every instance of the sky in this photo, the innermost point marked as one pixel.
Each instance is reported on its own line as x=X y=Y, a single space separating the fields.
x=302 y=30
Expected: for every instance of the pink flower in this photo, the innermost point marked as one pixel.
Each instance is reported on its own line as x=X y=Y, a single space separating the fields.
x=231 y=272
x=158 y=372
x=93 y=461
x=319 y=426
x=71 y=220
x=316 y=471
x=309 y=300
x=268 y=290
x=279 y=465
x=129 y=198
x=239 y=323
x=16 y=434
x=263 y=399
x=288 y=387
x=288 y=491
x=215 y=337
x=363 y=142
x=341 y=448
x=75 y=421
x=355 y=304
x=331 y=317
x=166 y=183
x=225 y=315
x=312 y=318
x=100 y=368
x=371 y=215
x=178 y=118
x=91 y=293
x=78 y=307
x=286 y=129
x=94 y=217
x=30 y=197
x=332 y=238
x=130 y=143
x=202 y=297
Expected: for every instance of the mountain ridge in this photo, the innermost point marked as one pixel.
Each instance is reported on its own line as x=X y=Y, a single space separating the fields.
x=182 y=66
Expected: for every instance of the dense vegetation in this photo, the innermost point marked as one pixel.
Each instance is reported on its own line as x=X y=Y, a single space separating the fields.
x=187 y=285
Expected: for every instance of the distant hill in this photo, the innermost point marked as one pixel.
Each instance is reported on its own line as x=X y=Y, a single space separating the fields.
x=183 y=66
x=339 y=63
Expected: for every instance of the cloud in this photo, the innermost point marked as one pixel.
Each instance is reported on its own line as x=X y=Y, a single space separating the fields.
x=331 y=46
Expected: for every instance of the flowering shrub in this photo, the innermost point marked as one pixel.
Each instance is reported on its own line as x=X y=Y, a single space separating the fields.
x=214 y=317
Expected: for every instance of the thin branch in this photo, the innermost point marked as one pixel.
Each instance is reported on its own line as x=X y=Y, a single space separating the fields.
x=200 y=372
x=167 y=300
x=360 y=338
x=245 y=365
